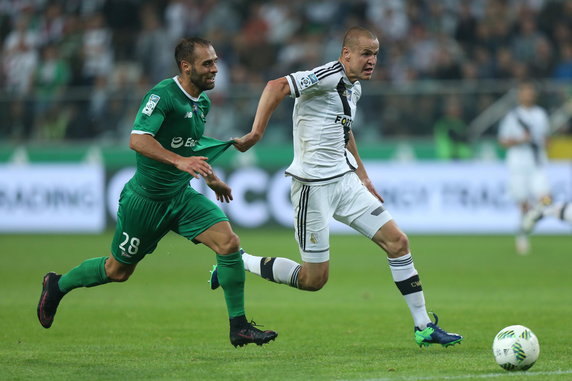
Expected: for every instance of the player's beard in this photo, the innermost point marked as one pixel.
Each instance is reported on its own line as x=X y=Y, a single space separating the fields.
x=200 y=80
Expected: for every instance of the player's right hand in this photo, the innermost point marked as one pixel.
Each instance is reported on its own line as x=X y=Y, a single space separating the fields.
x=246 y=142
x=195 y=165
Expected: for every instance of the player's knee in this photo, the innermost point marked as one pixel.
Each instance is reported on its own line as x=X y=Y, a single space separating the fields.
x=119 y=275
x=314 y=283
x=230 y=244
x=399 y=245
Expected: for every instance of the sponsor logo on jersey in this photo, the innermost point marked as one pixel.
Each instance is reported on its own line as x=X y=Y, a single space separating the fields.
x=307 y=81
x=151 y=103
x=178 y=142
x=189 y=115
x=344 y=120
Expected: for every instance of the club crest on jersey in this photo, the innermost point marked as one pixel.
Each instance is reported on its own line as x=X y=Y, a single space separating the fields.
x=308 y=81
x=151 y=103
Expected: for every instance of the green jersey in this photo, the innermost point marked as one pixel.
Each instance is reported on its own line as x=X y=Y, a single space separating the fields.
x=177 y=121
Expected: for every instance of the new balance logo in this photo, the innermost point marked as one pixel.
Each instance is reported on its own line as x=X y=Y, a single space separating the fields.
x=189 y=115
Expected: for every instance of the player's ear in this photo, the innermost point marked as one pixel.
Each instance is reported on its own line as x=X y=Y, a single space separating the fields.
x=185 y=67
x=346 y=53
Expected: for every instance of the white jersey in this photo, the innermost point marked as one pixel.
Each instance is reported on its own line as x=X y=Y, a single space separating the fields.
x=323 y=111
x=515 y=125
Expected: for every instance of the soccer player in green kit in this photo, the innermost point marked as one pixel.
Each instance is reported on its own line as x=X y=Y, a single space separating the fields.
x=171 y=149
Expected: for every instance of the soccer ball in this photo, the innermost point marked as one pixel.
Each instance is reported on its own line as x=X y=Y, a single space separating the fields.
x=516 y=348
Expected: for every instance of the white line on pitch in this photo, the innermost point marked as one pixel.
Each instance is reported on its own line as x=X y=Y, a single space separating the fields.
x=467 y=376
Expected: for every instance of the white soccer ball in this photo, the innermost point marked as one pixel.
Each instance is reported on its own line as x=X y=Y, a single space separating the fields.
x=516 y=348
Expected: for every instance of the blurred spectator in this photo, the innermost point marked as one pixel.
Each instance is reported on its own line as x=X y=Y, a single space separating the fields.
x=525 y=41
x=542 y=63
x=51 y=77
x=466 y=26
x=52 y=24
x=97 y=51
x=451 y=133
x=19 y=60
x=120 y=17
x=153 y=50
x=498 y=40
x=563 y=70
x=19 y=57
x=70 y=47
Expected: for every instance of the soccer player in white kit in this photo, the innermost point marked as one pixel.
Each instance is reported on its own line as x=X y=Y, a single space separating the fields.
x=329 y=179
x=524 y=133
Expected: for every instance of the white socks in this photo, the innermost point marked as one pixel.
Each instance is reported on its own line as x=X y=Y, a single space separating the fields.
x=407 y=281
x=559 y=210
x=274 y=269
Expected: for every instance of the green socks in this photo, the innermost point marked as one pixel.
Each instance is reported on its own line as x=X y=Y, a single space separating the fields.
x=88 y=274
x=231 y=278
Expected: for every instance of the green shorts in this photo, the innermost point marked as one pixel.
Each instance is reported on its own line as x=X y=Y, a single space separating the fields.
x=142 y=222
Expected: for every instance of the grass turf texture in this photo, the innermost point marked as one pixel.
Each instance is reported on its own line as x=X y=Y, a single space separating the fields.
x=165 y=322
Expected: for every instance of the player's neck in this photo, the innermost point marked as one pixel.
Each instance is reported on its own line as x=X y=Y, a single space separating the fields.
x=351 y=78
x=188 y=86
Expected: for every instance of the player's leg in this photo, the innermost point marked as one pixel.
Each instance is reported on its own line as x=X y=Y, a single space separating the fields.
x=406 y=278
x=202 y=221
x=275 y=269
x=365 y=213
x=560 y=210
x=311 y=229
x=140 y=225
x=522 y=243
x=519 y=187
x=540 y=189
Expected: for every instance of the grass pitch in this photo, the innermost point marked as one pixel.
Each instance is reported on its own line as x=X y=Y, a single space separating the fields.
x=165 y=322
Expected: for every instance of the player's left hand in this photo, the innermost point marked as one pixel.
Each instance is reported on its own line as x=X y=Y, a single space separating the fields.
x=222 y=191
x=369 y=185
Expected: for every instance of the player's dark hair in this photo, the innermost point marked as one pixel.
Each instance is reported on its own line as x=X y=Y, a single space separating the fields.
x=185 y=49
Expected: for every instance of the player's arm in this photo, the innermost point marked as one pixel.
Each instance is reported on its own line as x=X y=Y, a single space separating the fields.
x=274 y=92
x=508 y=139
x=221 y=189
x=510 y=142
x=147 y=145
x=360 y=171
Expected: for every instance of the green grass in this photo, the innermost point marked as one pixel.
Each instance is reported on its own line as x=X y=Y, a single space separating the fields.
x=165 y=323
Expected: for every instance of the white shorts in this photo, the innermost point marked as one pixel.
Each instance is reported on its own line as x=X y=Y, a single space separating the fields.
x=528 y=184
x=347 y=200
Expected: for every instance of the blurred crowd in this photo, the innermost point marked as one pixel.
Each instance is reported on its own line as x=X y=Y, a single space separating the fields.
x=76 y=69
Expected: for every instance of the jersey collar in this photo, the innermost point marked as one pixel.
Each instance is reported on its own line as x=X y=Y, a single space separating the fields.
x=183 y=90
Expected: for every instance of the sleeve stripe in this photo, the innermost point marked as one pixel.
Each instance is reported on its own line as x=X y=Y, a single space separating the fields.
x=296 y=91
x=328 y=73
x=334 y=66
x=139 y=132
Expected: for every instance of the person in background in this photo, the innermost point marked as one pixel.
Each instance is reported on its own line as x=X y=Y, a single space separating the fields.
x=524 y=133
x=451 y=135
